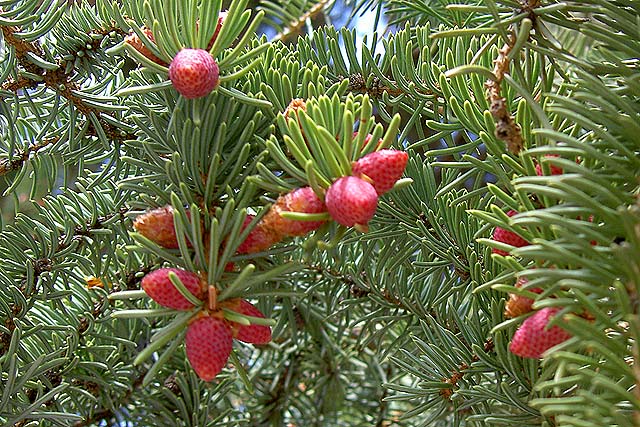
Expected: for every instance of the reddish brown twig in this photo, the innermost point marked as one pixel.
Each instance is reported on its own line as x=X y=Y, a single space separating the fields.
x=458 y=374
x=57 y=80
x=506 y=128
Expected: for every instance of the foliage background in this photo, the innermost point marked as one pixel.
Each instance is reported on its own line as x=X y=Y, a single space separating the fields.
x=403 y=325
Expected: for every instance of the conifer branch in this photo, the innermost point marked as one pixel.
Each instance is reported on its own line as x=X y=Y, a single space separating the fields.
x=55 y=376
x=635 y=325
x=86 y=229
x=22 y=47
x=384 y=405
x=294 y=27
x=101 y=415
x=57 y=80
x=42 y=265
x=355 y=288
x=7 y=165
x=459 y=373
x=421 y=283
x=279 y=395
x=105 y=414
x=636 y=374
x=21 y=83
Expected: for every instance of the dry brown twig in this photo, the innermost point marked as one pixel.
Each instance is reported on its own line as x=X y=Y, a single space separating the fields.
x=506 y=127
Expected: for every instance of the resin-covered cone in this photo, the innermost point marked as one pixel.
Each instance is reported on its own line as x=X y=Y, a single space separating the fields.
x=295 y=106
x=509 y=237
x=366 y=141
x=208 y=345
x=518 y=305
x=157 y=226
x=351 y=202
x=254 y=334
x=260 y=238
x=301 y=200
x=383 y=168
x=194 y=73
x=553 y=169
x=533 y=337
x=135 y=42
x=159 y=287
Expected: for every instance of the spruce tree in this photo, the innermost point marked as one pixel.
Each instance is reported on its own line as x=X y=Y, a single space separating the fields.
x=162 y=217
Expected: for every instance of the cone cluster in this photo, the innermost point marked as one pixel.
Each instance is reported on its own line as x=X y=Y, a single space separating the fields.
x=209 y=336
x=534 y=336
x=350 y=200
